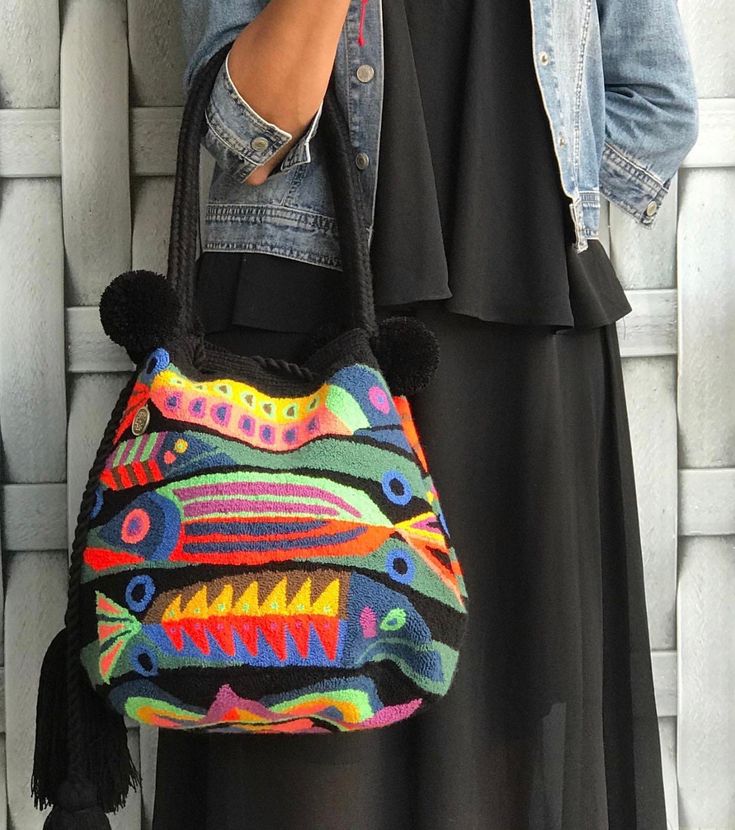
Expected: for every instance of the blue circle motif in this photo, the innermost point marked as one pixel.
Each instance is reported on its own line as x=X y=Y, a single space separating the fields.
x=135 y=661
x=404 y=494
x=400 y=566
x=149 y=589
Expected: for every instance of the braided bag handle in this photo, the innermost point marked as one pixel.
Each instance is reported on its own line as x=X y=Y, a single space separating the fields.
x=347 y=196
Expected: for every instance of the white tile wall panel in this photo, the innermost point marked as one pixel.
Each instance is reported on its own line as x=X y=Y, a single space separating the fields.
x=3 y=783
x=152 y=210
x=32 y=396
x=34 y=516
x=650 y=328
x=29 y=57
x=29 y=143
x=709 y=26
x=154 y=137
x=706 y=261
x=667 y=735
x=707 y=503
x=156 y=53
x=645 y=257
x=715 y=145
x=89 y=349
x=650 y=385
x=664 y=681
x=94 y=135
x=706 y=716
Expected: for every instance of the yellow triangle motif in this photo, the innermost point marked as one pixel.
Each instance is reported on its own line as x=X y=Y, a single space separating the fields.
x=197 y=605
x=173 y=612
x=327 y=603
x=223 y=604
x=275 y=602
x=248 y=602
x=301 y=603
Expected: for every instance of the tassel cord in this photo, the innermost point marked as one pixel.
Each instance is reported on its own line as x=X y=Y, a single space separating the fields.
x=76 y=737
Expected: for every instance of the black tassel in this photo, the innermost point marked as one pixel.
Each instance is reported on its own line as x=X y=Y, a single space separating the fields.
x=51 y=749
x=105 y=768
x=108 y=762
x=76 y=808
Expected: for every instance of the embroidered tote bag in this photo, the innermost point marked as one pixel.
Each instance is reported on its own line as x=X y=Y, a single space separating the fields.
x=260 y=547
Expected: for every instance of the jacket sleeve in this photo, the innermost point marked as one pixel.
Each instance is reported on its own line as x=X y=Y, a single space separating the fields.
x=651 y=107
x=239 y=138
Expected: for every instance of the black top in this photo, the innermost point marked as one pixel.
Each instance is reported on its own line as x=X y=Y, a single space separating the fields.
x=469 y=205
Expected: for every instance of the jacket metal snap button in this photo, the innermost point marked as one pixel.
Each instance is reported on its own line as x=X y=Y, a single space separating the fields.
x=141 y=420
x=562 y=139
x=365 y=73
x=260 y=143
x=651 y=208
x=362 y=160
x=543 y=57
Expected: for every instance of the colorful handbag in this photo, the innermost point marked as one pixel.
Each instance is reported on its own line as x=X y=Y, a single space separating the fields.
x=260 y=547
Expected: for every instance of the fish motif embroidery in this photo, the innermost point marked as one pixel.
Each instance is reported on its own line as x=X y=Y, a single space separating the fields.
x=313 y=541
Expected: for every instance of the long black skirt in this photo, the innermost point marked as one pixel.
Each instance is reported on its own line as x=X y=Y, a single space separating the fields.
x=551 y=721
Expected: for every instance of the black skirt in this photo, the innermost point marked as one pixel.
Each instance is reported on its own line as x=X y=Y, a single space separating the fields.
x=551 y=721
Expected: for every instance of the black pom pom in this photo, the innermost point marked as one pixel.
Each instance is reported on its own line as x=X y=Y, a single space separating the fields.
x=408 y=354
x=76 y=808
x=140 y=311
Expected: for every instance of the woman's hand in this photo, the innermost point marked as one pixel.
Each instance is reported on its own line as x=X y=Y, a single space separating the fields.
x=280 y=63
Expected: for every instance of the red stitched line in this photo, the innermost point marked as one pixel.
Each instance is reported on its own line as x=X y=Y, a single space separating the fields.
x=360 y=37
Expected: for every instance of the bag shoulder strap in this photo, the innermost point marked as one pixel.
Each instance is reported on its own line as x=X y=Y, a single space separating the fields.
x=346 y=193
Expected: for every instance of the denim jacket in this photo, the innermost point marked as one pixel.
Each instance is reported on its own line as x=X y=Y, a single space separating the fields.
x=616 y=82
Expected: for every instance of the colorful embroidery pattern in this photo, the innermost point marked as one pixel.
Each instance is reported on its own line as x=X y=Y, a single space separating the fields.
x=333 y=705
x=267 y=563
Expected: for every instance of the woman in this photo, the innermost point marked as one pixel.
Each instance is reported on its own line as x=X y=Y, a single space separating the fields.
x=495 y=131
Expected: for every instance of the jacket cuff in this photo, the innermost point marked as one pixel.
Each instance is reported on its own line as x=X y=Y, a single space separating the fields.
x=240 y=139
x=625 y=182
x=300 y=153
